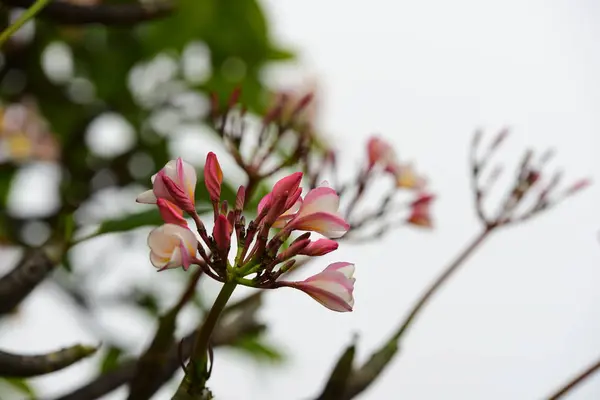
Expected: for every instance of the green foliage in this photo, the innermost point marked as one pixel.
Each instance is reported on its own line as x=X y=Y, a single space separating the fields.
x=256 y=347
x=111 y=359
x=18 y=385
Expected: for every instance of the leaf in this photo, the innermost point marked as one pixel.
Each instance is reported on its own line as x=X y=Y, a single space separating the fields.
x=110 y=361
x=20 y=385
x=256 y=348
x=133 y=221
x=336 y=385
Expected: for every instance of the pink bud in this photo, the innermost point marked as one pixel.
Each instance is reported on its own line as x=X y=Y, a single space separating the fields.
x=170 y=213
x=172 y=246
x=240 y=198
x=320 y=247
x=333 y=287
x=294 y=249
x=290 y=185
x=579 y=185
x=175 y=192
x=213 y=177
x=222 y=233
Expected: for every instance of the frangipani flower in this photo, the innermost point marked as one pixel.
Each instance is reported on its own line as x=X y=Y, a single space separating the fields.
x=407 y=178
x=175 y=182
x=319 y=213
x=289 y=187
x=172 y=246
x=381 y=153
x=333 y=287
x=420 y=214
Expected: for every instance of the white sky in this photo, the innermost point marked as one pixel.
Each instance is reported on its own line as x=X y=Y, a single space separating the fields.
x=522 y=315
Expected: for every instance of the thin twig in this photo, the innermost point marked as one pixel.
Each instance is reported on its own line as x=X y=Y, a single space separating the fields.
x=589 y=371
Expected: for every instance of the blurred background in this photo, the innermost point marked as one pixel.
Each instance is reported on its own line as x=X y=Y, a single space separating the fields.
x=90 y=113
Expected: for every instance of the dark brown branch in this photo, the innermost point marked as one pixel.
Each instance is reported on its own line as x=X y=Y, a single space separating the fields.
x=66 y=13
x=582 y=376
x=24 y=366
x=33 y=268
x=224 y=335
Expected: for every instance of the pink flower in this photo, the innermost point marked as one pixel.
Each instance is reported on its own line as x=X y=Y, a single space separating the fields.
x=381 y=153
x=332 y=287
x=319 y=213
x=406 y=177
x=170 y=213
x=319 y=247
x=420 y=214
x=172 y=246
x=176 y=183
x=213 y=177
x=222 y=233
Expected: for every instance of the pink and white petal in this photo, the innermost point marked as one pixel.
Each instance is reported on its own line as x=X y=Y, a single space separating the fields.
x=170 y=169
x=176 y=259
x=329 y=225
x=320 y=199
x=331 y=301
x=158 y=261
x=187 y=178
x=183 y=234
x=346 y=268
x=146 y=197
x=161 y=243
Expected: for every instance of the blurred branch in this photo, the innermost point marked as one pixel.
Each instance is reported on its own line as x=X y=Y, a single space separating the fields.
x=225 y=334
x=336 y=385
x=364 y=376
x=23 y=366
x=33 y=268
x=67 y=13
x=589 y=371
x=148 y=367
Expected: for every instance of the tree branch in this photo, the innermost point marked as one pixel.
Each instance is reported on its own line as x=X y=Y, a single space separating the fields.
x=66 y=13
x=225 y=334
x=33 y=268
x=24 y=366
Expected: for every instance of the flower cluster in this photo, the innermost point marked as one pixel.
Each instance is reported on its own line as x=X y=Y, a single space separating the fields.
x=265 y=247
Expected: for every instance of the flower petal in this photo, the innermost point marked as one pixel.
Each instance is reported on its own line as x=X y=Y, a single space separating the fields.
x=146 y=197
x=329 y=225
x=320 y=199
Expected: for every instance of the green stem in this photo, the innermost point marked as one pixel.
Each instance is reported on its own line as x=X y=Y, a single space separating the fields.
x=193 y=383
x=23 y=18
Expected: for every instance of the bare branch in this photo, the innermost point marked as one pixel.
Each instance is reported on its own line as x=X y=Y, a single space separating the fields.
x=67 y=13
x=24 y=366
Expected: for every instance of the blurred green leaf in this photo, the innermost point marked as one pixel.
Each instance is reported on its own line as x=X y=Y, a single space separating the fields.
x=336 y=385
x=111 y=359
x=257 y=348
x=20 y=385
x=133 y=221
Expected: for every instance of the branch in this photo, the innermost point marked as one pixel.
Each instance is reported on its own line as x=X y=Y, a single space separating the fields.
x=23 y=366
x=225 y=334
x=576 y=381
x=66 y=13
x=15 y=286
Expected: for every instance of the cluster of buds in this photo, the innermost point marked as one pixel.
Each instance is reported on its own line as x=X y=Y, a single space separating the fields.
x=25 y=135
x=265 y=247
x=531 y=185
x=280 y=142
x=382 y=163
